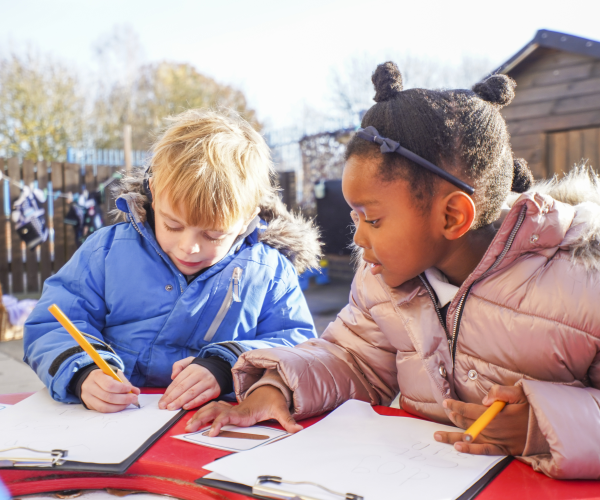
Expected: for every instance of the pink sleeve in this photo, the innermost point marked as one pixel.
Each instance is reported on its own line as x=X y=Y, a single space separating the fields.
x=569 y=420
x=352 y=360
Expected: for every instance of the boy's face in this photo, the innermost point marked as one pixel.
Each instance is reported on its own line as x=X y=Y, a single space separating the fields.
x=191 y=248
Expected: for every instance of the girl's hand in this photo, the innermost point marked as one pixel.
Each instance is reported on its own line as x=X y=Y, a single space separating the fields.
x=104 y=394
x=264 y=403
x=505 y=435
x=192 y=386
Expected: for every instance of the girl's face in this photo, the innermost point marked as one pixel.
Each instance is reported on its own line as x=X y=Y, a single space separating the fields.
x=191 y=248
x=398 y=238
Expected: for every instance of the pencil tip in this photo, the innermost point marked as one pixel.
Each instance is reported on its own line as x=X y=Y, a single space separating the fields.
x=137 y=405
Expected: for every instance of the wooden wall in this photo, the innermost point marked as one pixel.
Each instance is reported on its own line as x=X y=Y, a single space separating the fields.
x=556 y=92
x=24 y=271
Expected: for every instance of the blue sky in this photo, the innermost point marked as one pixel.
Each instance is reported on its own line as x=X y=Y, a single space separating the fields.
x=280 y=53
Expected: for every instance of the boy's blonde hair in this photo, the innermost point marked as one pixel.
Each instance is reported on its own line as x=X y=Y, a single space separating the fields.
x=213 y=167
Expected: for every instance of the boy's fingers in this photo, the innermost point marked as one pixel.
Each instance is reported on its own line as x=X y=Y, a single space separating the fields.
x=183 y=392
x=176 y=388
x=180 y=365
x=101 y=406
x=109 y=384
x=201 y=399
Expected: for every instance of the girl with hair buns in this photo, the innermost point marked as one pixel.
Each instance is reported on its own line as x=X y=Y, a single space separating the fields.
x=474 y=286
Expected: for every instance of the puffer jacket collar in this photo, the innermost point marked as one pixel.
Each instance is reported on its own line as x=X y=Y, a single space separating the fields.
x=291 y=234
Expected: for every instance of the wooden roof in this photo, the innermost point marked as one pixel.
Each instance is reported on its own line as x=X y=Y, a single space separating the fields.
x=551 y=40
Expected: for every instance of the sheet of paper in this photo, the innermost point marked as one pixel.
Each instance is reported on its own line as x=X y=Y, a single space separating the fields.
x=4 y=406
x=103 y=438
x=232 y=443
x=355 y=450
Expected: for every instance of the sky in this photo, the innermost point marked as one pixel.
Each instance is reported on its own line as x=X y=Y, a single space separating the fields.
x=281 y=53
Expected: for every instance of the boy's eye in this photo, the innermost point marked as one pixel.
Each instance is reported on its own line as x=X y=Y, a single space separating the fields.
x=173 y=229
x=213 y=240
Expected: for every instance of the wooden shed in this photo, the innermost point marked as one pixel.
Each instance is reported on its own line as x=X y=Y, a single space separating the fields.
x=554 y=119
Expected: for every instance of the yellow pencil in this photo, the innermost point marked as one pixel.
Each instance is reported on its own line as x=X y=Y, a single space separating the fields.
x=482 y=422
x=85 y=345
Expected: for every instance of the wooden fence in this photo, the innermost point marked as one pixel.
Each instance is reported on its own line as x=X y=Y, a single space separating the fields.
x=23 y=271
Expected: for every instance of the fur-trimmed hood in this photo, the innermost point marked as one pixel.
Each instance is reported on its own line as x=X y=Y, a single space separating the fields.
x=289 y=233
x=580 y=188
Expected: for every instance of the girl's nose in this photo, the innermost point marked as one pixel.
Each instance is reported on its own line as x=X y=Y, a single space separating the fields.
x=359 y=237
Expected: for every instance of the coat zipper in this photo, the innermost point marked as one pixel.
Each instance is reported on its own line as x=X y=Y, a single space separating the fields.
x=233 y=295
x=463 y=299
x=435 y=304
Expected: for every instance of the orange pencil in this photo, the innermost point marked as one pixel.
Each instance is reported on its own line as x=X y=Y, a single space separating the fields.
x=482 y=422
x=61 y=317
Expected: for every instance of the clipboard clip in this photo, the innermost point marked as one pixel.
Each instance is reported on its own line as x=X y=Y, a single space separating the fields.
x=52 y=458
x=261 y=489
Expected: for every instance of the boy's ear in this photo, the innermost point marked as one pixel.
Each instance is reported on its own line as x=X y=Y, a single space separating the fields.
x=249 y=220
x=459 y=214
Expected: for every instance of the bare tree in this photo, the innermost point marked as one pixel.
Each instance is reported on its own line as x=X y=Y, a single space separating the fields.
x=352 y=91
x=41 y=106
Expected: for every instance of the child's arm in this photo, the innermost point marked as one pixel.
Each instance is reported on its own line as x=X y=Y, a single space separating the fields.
x=284 y=320
x=78 y=289
x=353 y=360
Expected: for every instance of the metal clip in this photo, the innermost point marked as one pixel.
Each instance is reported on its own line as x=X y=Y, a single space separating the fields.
x=261 y=489
x=55 y=457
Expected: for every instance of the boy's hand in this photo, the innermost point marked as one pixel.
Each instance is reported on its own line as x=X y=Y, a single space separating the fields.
x=264 y=403
x=192 y=386
x=104 y=394
x=505 y=435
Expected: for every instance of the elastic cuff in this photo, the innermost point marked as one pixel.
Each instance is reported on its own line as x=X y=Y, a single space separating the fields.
x=220 y=369
x=272 y=377
x=536 y=443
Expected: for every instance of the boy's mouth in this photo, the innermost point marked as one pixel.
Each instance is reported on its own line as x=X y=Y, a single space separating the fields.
x=189 y=264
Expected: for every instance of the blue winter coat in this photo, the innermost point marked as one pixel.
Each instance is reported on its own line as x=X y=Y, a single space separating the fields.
x=123 y=289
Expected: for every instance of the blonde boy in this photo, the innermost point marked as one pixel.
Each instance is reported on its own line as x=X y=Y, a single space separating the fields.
x=203 y=268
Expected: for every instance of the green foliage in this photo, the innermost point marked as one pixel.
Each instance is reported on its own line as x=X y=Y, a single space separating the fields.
x=41 y=107
x=158 y=91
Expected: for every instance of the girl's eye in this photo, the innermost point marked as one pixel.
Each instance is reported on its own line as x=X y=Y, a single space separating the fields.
x=372 y=222
x=172 y=229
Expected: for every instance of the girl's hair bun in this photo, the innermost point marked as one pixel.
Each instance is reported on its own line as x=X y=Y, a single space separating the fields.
x=387 y=81
x=522 y=176
x=497 y=89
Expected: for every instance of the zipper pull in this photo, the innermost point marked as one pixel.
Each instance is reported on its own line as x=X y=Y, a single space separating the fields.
x=237 y=274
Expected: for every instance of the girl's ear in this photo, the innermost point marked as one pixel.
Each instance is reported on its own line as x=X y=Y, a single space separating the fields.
x=459 y=214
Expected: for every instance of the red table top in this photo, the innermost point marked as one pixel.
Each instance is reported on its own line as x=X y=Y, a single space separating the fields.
x=170 y=467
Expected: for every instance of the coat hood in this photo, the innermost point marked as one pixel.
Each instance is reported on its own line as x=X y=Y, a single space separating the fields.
x=580 y=188
x=289 y=233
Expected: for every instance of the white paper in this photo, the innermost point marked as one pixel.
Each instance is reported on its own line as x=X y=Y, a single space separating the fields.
x=3 y=406
x=355 y=450
x=103 y=438
x=234 y=444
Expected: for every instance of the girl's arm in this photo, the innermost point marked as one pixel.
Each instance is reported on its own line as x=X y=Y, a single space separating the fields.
x=564 y=429
x=352 y=360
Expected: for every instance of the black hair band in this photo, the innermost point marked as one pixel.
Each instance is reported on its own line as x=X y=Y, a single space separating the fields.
x=388 y=146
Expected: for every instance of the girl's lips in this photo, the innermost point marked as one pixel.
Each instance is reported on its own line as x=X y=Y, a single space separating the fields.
x=374 y=268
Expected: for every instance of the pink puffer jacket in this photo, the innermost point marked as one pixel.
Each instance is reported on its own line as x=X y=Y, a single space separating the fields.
x=528 y=314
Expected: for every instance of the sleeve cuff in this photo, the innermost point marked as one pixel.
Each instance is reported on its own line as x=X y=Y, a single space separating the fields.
x=536 y=443
x=272 y=377
x=220 y=369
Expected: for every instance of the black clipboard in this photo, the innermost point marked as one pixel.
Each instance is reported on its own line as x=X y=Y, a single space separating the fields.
x=471 y=493
x=119 y=468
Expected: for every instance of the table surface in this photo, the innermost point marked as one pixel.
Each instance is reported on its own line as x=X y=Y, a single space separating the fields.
x=170 y=467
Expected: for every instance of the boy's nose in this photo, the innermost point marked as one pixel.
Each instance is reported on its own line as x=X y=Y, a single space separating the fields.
x=189 y=247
